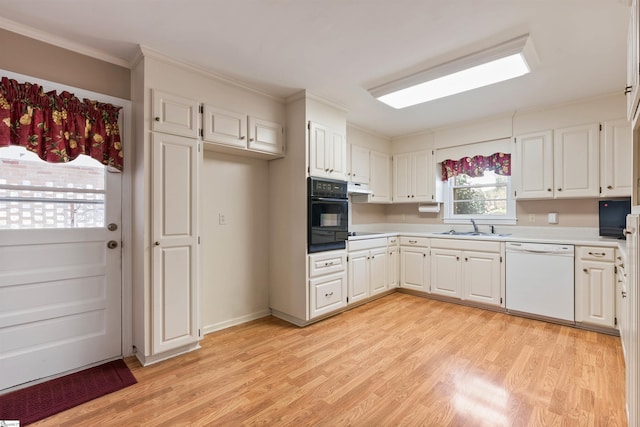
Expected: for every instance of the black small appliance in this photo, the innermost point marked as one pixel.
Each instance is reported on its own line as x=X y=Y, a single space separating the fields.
x=613 y=217
x=328 y=214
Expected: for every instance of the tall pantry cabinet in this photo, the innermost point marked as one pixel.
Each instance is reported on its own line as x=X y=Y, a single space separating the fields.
x=168 y=192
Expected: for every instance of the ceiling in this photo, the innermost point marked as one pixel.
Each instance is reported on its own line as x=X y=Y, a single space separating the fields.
x=337 y=49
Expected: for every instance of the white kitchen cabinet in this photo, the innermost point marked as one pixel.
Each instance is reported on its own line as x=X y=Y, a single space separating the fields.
x=327 y=152
x=414 y=263
x=359 y=164
x=174 y=293
x=576 y=161
x=414 y=177
x=380 y=178
x=393 y=261
x=327 y=274
x=174 y=114
x=469 y=270
x=595 y=286
x=239 y=130
x=633 y=62
x=367 y=268
x=616 y=159
x=563 y=163
x=533 y=166
x=446 y=272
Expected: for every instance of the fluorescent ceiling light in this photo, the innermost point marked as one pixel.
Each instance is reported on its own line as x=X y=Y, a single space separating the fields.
x=495 y=64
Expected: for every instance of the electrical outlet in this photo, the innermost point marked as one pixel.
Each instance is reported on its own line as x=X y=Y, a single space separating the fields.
x=222 y=219
x=532 y=217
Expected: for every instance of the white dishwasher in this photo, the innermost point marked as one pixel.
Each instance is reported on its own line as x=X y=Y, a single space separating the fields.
x=539 y=280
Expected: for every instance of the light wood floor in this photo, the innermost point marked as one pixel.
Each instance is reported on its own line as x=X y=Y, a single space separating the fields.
x=400 y=360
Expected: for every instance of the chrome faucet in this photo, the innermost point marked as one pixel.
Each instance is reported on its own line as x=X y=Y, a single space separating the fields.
x=475 y=227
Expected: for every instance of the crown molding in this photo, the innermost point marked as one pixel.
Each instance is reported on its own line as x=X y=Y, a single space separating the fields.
x=152 y=53
x=62 y=42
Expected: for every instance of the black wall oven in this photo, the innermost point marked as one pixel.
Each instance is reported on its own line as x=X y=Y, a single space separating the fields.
x=328 y=211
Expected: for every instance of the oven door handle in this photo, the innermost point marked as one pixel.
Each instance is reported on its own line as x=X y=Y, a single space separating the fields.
x=328 y=199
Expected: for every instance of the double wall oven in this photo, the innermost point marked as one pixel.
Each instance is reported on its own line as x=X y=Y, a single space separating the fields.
x=328 y=212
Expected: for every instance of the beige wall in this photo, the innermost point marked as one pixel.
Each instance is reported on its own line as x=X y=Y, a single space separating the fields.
x=235 y=268
x=32 y=57
x=571 y=213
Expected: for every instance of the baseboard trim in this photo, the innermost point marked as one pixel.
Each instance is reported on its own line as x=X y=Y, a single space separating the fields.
x=236 y=321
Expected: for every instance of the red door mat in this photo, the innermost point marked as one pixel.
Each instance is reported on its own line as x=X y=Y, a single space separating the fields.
x=40 y=401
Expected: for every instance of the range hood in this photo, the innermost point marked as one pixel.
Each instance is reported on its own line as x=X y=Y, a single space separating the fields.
x=355 y=188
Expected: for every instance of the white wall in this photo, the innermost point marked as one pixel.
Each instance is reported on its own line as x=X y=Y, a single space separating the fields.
x=235 y=257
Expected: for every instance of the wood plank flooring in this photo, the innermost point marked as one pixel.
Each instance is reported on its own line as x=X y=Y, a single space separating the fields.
x=399 y=361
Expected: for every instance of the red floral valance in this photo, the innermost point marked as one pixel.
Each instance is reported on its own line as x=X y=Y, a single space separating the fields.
x=58 y=127
x=500 y=163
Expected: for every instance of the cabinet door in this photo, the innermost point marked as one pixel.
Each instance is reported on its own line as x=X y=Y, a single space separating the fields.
x=337 y=156
x=393 y=269
x=378 y=270
x=446 y=272
x=318 y=147
x=595 y=293
x=616 y=160
x=380 y=177
x=266 y=136
x=414 y=270
x=225 y=127
x=358 y=275
x=533 y=168
x=423 y=178
x=481 y=277
x=174 y=242
x=327 y=293
x=576 y=161
x=359 y=165
x=174 y=114
x=633 y=67
x=402 y=170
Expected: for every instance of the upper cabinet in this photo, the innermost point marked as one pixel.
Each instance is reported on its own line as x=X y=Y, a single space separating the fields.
x=576 y=161
x=633 y=62
x=414 y=177
x=359 y=164
x=327 y=152
x=616 y=161
x=380 y=181
x=174 y=114
x=239 y=130
x=573 y=162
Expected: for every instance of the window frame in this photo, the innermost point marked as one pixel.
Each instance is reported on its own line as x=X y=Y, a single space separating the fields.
x=450 y=218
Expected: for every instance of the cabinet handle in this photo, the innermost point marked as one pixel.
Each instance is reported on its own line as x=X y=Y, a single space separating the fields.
x=457 y=258
x=326 y=170
x=251 y=139
x=157 y=243
x=330 y=170
x=327 y=264
x=413 y=242
x=329 y=294
x=609 y=187
x=466 y=259
x=354 y=174
x=585 y=270
x=627 y=232
x=157 y=119
x=624 y=294
x=559 y=189
x=597 y=253
x=242 y=137
x=368 y=257
x=548 y=189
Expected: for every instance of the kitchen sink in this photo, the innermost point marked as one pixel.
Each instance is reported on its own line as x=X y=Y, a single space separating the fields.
x=471 y=233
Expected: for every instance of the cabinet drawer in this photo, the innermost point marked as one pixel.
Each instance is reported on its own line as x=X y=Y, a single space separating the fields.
x=414 y=241
x=359 y=245
x=327 y=262
x=466 y=245
x=595 y=253
x=391 y=241
x=327 y=293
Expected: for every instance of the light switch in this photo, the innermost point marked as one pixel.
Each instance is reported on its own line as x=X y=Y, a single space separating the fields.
x=222 y=219
x=553 y=218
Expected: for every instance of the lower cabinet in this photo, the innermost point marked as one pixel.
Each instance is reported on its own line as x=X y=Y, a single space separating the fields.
x=414 y=263
x=368 y=263
x=327 y=282
x=595 y=285
x=474 y=275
